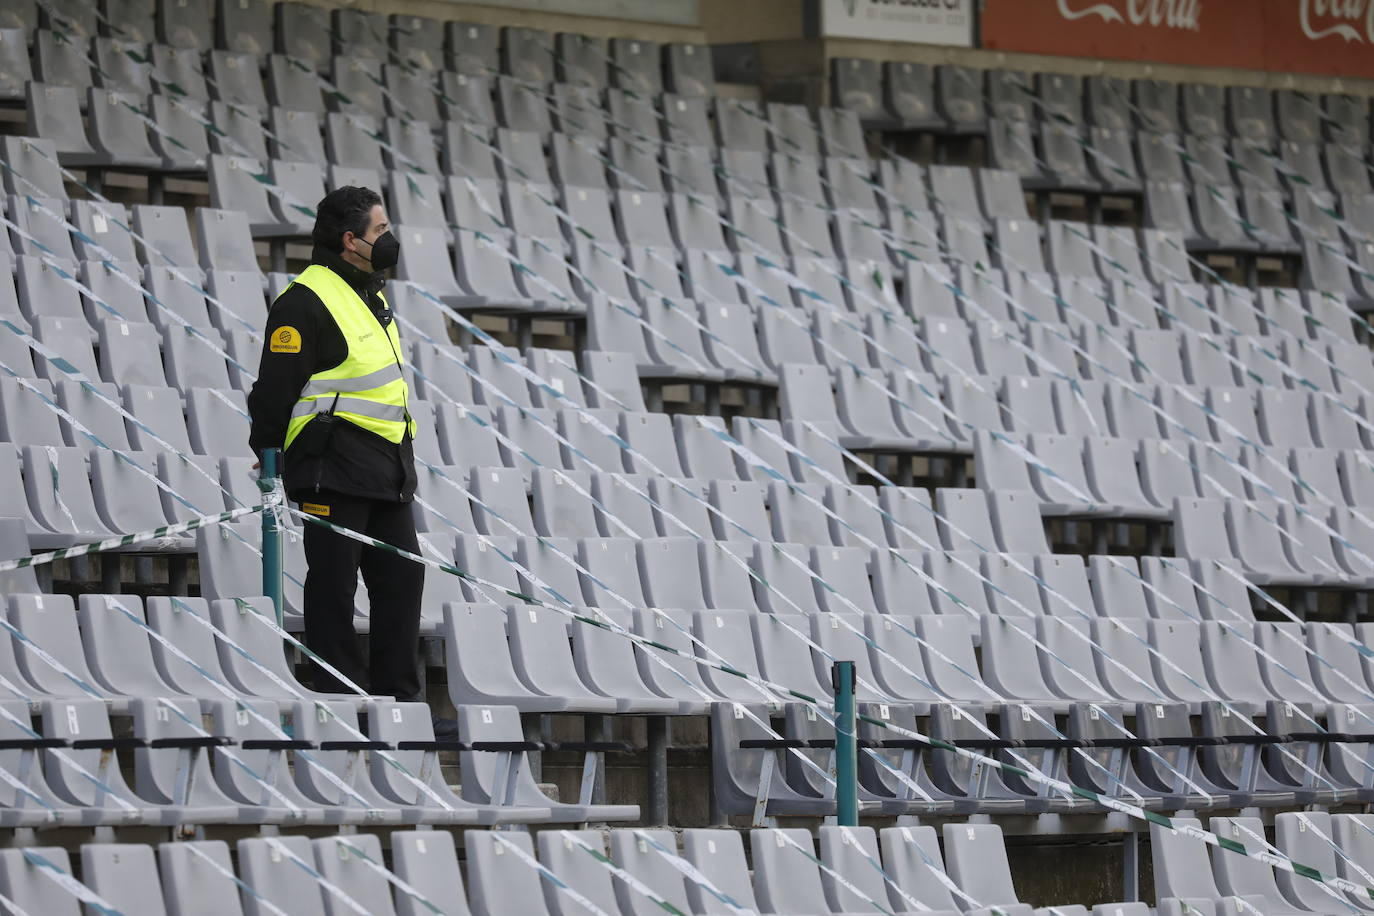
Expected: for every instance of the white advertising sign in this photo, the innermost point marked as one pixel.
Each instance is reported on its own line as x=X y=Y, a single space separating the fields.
x=932 y=22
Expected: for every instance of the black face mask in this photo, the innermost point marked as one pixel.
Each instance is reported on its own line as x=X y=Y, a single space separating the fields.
x=386 y=250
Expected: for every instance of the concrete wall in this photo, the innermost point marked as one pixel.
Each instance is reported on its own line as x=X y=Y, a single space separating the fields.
x=553 y=20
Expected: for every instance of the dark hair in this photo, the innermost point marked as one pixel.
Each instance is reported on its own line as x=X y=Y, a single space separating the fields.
x=346 y=209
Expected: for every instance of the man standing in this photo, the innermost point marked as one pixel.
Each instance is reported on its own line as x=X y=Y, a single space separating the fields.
x=330 y=393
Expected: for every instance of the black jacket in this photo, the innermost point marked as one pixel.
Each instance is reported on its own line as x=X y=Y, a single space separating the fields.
x=337 y=456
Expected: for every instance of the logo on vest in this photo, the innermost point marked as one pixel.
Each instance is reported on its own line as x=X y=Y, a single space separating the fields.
x=285 y=339
x=1174 y=14
x=1316 y=18
x=363 y=337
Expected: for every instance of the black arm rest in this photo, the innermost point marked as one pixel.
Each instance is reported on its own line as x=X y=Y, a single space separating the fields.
x=611 y=747
x=904 y=744
x=820 y=743
x=273 y=744
x=1053 y=743
x=1255 y=739
x=985 y=744
x=191 y=741
x=508 y=746
x=1192 y=741
x=356 y=746
x=432 y=746
x=1123 y=742
x=1318 y=737
x=32 y=744
x=108 y=744
x=751 y=744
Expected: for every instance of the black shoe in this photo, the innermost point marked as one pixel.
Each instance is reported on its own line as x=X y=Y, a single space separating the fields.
x=444 y=729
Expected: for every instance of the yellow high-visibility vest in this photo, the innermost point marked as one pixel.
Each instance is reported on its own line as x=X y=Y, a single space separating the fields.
x=369 y=384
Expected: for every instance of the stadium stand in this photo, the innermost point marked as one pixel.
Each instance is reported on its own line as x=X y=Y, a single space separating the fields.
x=713 y=390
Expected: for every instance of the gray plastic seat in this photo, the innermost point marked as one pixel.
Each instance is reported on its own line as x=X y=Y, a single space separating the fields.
x=278 y=879
x=1240 y=874
x=344 y=868
x=751 y=433
x=54 y=113
x=609 y=665
x=1123 y=660
x=61 y=60
x=50 y=623
x=360 y=92
x=1080 y=407
x=64 y=720
x=522 y=107
x=786 y=568
x=977 y=862
x=1011 y=147
x=190 y=884
x=1347 y=117
x=679 y=508
x=484 y=775
x=26 y=420
x=481 y=666
x=1062 y=151
x=648 y=855
x=500 y=881
x=428 y=862
x=236 y=78
x=43 y=220
x=291 y=82
x=298 y=136
x=911 y=857
x=567 y=856
x=15 y=69
x=468 y=99
x=124 y=875
x=725 y=638
x=1183 y=870
x=719 y=856
x=959 y=99
x=797 y=513
x=543 y=657
x=117 y=132
x=623 y=507
x=635 y=64
x=1345 y=169
x=179 y=135
x=127 y=498
x=859 y=88
x=742 y=515
x=473 y=48
x=1179 y=667
x=786 y=877
x=1233 y=667
x=58 y=486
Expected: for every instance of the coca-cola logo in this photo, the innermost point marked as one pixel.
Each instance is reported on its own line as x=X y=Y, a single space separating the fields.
x=1317 y=15
x=1173 y=14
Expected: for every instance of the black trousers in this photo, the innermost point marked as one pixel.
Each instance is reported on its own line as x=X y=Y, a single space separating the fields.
x=394 y=588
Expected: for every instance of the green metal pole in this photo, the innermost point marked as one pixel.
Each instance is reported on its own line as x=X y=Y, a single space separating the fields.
x=271 y=534
x=846 y=746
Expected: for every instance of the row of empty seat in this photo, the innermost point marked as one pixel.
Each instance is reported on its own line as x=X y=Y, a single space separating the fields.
x=857 y=870
x=879 y=90
x=315 y=34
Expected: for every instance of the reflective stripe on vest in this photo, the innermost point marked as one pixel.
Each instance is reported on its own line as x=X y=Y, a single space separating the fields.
x=369 y=385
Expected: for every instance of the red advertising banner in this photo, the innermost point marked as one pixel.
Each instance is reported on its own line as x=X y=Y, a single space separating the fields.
x=1326 y=37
